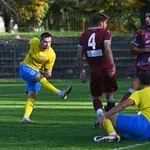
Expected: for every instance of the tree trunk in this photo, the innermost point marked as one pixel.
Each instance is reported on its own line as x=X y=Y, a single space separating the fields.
x=7 y=20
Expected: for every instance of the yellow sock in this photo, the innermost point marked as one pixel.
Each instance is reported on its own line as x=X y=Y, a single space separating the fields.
x=48 y=86
x=29 y=107
x=109 y=127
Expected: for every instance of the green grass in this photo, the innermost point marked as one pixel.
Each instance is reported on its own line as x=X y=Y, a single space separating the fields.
x=37 y=34
x=57 y=34
x=58 y=125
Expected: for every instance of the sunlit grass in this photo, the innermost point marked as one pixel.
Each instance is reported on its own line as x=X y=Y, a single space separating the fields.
x=58 y=124
x=57 y=34
x=37 y=34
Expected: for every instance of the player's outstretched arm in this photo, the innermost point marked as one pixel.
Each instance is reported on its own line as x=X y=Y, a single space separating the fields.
x=109 y=55
x=120 y=107
x=81 y=65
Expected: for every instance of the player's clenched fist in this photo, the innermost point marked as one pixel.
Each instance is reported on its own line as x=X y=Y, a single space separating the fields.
x=83 y=77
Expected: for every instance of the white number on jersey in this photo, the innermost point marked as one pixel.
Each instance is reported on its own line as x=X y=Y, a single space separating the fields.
x=91 y=41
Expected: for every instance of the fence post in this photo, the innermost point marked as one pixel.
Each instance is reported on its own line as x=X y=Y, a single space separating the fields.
x=14 y=62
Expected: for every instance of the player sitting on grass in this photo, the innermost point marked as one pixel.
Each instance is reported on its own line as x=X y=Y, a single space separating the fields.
x=36 y=68
x=129 y=126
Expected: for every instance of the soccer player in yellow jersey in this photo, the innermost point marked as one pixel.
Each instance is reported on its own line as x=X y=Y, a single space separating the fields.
x=129 y=126
x=36 y=69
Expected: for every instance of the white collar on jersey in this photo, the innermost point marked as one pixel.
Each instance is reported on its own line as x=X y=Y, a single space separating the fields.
x=95 y=28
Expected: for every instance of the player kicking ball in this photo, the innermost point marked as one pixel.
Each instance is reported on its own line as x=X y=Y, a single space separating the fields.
x=128 y=126
x=36 y=69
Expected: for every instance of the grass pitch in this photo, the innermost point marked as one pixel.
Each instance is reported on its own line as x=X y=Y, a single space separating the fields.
x=58 y=124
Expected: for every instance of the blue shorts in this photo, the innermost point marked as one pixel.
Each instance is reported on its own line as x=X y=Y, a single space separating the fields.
x=28 y=75
x=133 y=127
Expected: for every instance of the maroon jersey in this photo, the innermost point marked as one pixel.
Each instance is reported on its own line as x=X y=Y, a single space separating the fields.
x=92 y=43
x=142 y=40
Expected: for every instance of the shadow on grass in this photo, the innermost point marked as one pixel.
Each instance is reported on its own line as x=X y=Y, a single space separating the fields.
x=52 y=129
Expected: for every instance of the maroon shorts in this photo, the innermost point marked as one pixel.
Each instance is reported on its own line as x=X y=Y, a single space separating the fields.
x=101 y=82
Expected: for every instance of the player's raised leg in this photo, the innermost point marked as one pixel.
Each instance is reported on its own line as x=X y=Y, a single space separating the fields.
x=47 y=85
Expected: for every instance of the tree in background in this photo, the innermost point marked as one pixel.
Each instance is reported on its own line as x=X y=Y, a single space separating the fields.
x=31 y=13
x=124 y=13
x=72 y=14
x=143 y=10
x=7 y=9
x=56 y=16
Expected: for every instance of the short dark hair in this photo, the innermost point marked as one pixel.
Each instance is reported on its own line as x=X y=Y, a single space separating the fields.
x=97 y=17
x=145 y=78
x=148 y=11
x=45 y=35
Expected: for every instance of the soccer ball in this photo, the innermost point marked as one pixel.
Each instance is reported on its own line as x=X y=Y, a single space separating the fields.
x=139 y=113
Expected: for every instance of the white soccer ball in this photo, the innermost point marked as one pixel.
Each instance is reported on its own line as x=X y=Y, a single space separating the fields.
x=139 y=113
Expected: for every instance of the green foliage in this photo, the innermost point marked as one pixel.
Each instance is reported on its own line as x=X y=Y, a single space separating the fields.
x=55 y=34
x=123 y=18
x=59 y=15
x=32 y=10
x=37 y=34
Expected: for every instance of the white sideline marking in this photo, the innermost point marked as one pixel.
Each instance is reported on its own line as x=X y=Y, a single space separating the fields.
x=131 y=146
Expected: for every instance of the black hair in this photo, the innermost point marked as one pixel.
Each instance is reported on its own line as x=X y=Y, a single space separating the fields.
x=97 y=17
x=148 y=11
x=45 y=35
x=145 y=78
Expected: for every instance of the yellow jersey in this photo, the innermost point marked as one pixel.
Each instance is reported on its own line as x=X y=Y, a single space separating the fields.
x=142 y=101
x=37 y=59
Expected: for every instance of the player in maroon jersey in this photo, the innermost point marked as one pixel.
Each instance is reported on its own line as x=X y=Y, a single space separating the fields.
x=95 y=45
x=140 y=46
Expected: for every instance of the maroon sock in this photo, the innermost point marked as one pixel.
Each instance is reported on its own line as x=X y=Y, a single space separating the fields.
x=97 y=104
x=126 y=96
x=110 y=105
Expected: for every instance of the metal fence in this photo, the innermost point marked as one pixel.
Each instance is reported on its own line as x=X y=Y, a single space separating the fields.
x=66 y=66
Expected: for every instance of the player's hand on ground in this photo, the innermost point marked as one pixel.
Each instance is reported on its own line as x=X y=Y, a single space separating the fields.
x=83 y=77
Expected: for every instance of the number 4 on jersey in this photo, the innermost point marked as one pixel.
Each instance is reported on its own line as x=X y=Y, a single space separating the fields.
x=91 y=41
